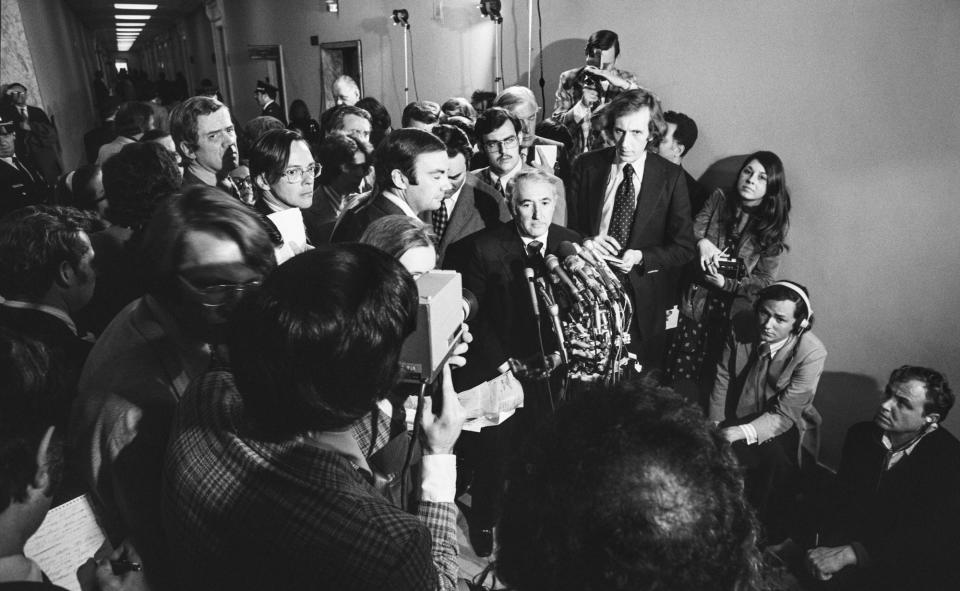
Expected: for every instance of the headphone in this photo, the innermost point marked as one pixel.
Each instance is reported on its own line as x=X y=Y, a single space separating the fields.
x=803 y=323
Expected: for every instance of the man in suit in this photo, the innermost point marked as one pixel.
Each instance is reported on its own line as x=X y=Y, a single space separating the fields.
x=677 y=141
x=468 y=205
x=266 y=95
x=37 y=141
x=47 y=276
x=500 y=134
x=411 y=169
x=492 y=263
x=635 y=204
x=204 y=134
x=20 y=183
x=536 y=151
x=345 y=91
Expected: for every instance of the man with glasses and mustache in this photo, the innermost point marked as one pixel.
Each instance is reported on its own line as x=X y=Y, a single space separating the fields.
x=499 y=133
x=203 y=250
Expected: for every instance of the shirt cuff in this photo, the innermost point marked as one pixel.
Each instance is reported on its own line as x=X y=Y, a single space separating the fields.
x=580 y=112
x=750 y=433
x=439 y=479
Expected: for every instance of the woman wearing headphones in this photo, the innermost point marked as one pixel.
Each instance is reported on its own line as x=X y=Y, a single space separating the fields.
x=763 y=397
x=740 y=239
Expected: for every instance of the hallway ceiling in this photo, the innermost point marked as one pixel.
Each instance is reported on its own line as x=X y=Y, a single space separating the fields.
x=98 y=16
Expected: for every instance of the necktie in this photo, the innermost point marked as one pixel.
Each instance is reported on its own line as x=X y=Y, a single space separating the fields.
x=23 y=113
x=624 y=206
x=533 y=253
x=440 y=219
x=499 y=187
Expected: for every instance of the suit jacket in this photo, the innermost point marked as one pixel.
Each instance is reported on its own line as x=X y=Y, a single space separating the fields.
x=40 y=146
x=68 y=350
x=662 y=230
x=484 y=176
x=353 y=222
x=492 y=264
x=276 y=111
x=20 y=190
x=903 y=523
x=478 y=206
x=773 y=395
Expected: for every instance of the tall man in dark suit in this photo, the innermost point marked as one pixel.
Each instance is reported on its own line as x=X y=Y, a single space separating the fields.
x=205 y=136
x=411 y=169
x=636 y=206
x=37 y=141
x=266 y=95
x=468 y=205
x=493 y=263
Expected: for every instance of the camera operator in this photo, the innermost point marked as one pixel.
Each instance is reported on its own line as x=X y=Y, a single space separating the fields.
x=583 y=91
x=740 y=241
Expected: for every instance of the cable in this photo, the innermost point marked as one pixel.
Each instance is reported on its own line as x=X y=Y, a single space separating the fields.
x=413 y=69
x=543 y=83
x=503 y=81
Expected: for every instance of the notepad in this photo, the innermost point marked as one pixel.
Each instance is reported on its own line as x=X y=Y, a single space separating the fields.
x=68 y=536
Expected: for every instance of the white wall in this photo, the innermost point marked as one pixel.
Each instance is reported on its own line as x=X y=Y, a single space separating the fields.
x=858 y=97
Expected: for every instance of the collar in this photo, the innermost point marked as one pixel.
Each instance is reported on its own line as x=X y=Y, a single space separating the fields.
x=911 y=445
x=208 y=177
x=399 y=202
x=267 y=104
x=636 y=164
x=451 y=201
x=775 y=347
x=541 y=239
x=55 y=312
x=508 y=176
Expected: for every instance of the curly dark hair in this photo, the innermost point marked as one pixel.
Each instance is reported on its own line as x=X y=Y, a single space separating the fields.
x=627 y=489
x=940 y=397
x=137 y=178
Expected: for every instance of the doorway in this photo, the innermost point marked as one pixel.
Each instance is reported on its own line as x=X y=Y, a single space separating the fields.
x=338 y=59
x=271 y=71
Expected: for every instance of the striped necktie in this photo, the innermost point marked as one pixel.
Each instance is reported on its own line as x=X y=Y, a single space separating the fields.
x=440 y=219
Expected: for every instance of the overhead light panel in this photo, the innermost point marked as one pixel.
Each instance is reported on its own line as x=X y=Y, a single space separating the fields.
x=135 y=6
x=132 y=17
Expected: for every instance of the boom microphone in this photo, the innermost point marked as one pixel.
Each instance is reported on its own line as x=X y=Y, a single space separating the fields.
x=579 y=268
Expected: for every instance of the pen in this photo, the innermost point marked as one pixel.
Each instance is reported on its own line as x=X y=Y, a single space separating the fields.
x=123 y=566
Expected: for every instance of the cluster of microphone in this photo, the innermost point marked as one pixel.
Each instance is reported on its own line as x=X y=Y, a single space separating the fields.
x=589 y=310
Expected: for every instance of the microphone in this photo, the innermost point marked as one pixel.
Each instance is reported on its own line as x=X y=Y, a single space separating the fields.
x=580 y=269
x=606 y=275
x=533 y=291
x=553 y=264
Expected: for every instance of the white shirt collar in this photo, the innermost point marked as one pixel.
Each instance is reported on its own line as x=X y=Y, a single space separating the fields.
x=775 y=347
x=541 y=239
x=403 y=205
x=451 y=201
x=895 y=456
x=508 y=176
x=55 y=312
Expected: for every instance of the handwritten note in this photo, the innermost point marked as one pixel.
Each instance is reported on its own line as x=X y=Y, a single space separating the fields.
x=68 y=536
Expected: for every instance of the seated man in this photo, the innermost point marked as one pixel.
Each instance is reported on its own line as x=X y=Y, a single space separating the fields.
x=31 y=463
x=267 y=483
x=763 y=397
x=627 y=489
x=896 y=523
x=47 y=276
x=203 y=249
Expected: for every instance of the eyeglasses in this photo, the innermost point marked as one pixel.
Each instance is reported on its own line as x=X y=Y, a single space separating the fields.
x=294 y=174
x=242 y=182
x=216 y=296
x=16 y=92
x=507 y=143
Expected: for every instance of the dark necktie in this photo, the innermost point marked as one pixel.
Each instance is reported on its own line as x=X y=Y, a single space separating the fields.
x=624 y=206
x=497 y=185
x=440 y=219
x=534 y=256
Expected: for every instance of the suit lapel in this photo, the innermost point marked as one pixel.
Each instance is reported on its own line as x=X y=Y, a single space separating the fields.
x=651 y=186
x=598 y=187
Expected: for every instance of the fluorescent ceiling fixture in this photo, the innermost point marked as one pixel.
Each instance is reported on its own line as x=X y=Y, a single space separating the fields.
x=132 y=17
x=131 y=37
x=131 y=24
x=135 y=6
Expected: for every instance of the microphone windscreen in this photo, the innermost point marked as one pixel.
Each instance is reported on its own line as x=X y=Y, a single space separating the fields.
x=566 y=249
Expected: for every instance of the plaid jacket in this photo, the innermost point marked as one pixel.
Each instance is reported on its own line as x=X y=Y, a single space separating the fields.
x=244 y=513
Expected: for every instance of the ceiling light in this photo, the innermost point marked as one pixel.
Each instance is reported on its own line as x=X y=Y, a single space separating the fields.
x=132 y=17
x=129 y=29
x=135 y=6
